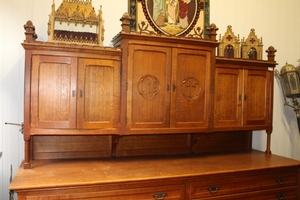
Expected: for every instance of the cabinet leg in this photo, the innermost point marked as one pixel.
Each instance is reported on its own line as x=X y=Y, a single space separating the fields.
x=27 y=164
x=268 y=150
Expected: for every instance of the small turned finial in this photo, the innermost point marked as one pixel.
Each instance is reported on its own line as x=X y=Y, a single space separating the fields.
x=125 y=22
x=30 y=34
x=271 y=53
x=213 y=32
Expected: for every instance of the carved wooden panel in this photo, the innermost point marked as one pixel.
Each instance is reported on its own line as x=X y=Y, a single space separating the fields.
x=148 y=95
x=168 y=88
x=190 y=99
x=98 y=93
x=52 y=98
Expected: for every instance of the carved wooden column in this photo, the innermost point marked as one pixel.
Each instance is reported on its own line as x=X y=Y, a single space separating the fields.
x=271 y=57
x=30 y=37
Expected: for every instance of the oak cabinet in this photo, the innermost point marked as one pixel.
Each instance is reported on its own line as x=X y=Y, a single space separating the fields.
x=243 y=97
x=164 y=96
x=74 y=93
x=168 y=89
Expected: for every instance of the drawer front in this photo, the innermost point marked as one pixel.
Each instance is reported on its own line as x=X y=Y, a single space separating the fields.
x=172 y=192
x=232 y=183
x=289 y=193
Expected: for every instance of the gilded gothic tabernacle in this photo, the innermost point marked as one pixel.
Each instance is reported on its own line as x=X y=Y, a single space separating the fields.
x=75 y=21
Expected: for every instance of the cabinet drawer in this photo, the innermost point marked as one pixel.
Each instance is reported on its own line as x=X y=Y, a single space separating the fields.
x=290 y=193
x=173 y=192
x=232 y=183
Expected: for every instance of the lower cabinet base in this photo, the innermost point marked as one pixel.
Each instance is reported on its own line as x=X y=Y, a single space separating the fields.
x=237 y=175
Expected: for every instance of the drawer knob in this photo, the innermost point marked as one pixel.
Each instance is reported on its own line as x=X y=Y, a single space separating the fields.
x=280 y=181
x=159 y=196
x=213 y=189
x=280 y=196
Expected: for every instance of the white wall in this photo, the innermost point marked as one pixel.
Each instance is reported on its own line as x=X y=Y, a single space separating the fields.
x=276 y=21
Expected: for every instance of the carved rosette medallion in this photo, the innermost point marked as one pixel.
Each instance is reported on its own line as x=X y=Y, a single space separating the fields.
x=190 y=88
x=148 y=86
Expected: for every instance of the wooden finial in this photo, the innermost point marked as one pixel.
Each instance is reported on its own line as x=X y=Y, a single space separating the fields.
x=125 y=22
x=30 y=34
x=271 y=53
x=213 y=32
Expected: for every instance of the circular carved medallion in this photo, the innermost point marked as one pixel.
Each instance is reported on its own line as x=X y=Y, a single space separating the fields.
x=190 y=88
x=148 y=86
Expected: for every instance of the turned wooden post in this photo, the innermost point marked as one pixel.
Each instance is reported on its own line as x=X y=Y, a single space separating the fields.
x=271 y=53
x=271 y=57
x=212 y=32
x=30 y=34
x=125 y=22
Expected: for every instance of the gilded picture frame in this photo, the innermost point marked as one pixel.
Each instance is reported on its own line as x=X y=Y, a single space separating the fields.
x=170 y=17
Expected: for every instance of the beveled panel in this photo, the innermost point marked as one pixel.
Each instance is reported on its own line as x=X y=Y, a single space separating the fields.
x=53 y=101
x=151 y=109
x=256 y=98
x=98 y=93
x=190 y=99
x=228 y=97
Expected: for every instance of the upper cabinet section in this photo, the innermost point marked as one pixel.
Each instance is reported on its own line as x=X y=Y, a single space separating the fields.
x=168 y=83
x=168 y=89
x=243 y=94
x=73 y=90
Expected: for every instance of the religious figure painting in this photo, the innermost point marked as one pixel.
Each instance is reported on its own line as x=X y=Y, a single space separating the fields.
x=172 y=17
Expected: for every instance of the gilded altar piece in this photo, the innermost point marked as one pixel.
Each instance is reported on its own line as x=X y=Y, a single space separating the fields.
x=76 y=21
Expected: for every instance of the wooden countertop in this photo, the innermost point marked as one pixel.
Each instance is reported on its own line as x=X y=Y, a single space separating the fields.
x=57 y=173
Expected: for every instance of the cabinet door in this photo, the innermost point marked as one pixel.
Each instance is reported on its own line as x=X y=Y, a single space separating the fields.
x=228 y=97
x=148 y=92
x=98 y=93
x=256 y=97
x=190 y=88
x=53 y=84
